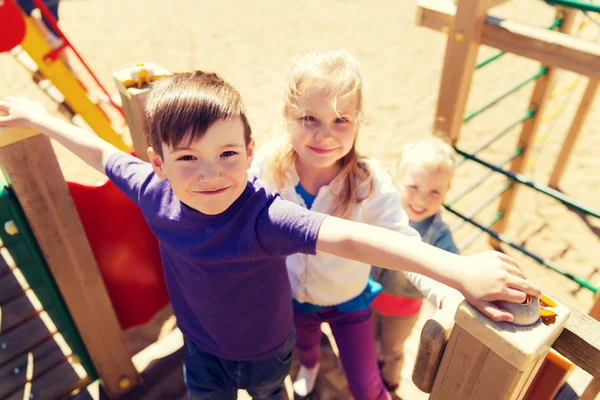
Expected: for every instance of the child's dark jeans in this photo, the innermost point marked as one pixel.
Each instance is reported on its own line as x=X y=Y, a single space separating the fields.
x=210 y=377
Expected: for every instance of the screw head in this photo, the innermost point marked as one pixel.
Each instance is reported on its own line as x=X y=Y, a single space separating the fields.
x=11 y=228
x=124 y=383
x=3 y=346
x=16 y=371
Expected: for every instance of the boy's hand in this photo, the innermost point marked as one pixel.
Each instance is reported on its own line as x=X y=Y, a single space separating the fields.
x=490 y=276
x=20 y=112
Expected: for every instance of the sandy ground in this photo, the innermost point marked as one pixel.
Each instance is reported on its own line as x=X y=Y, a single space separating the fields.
x=252 y=43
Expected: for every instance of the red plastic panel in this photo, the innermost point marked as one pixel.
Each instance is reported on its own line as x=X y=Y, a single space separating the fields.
x=13 y=25
x=125 y=249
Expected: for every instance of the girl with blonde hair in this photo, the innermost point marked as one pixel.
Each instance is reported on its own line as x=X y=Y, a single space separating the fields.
x=318 y=166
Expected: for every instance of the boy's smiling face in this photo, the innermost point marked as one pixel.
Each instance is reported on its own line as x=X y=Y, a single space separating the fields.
x=422 y=190
x=210 y=173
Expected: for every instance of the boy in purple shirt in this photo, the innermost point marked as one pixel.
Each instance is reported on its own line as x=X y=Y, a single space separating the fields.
x=224 y=237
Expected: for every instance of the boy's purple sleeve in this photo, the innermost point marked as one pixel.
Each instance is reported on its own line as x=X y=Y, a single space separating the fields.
x=285 y=228
x=130 y=174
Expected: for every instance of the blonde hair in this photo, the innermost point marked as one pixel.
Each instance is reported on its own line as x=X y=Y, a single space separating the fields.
x=339 y=72
x=430 y=152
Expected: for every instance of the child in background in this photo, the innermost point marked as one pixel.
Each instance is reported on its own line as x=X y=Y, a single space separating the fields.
x=224 y=238
x=317 y=166
x=425 y=170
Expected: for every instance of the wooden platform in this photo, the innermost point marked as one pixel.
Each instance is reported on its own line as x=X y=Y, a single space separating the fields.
x=34 y=358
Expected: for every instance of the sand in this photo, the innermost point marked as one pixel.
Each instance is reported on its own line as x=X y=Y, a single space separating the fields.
x=252 y=44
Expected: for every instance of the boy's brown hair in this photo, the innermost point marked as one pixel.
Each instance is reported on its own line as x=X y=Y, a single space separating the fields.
x=181 y=107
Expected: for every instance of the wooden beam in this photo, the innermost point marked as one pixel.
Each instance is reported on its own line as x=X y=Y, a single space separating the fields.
x=580 y=342
x=591 y=391
x=35 y=177
x=134 y=100
x=541 y=92
x=595 y=310
x=565 y=152
x=464 y=36
x=550 y=48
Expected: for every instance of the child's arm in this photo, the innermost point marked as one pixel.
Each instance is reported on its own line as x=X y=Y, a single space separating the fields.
x=20 y=112
x=481 y=278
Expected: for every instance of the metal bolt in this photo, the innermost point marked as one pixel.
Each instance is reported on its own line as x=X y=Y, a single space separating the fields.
x=16 y=371
x=11 y=228
x=3 y=346
x=459 y=37
x=446 y=29
x=31 y=396
x=124 y=383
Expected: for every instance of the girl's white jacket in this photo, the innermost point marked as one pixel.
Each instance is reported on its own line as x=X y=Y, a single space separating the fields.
x=328 y=280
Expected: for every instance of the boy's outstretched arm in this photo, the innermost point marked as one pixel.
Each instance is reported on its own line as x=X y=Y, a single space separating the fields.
x=23 y=113
x=481 y=278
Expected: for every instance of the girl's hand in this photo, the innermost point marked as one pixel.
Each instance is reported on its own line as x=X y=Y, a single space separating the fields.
x=490 y=276
x=20 y=112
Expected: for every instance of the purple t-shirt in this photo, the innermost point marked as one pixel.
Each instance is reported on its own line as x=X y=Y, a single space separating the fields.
x=226 y=273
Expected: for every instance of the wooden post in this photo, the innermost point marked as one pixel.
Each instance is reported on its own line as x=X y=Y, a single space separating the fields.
x=595 y=310
x=541 y=92
x=593 y=388
x=493 y=361
x=550 y=377
x=584 y=107
x=134 y=100
x=460 y=60
x=33 y=173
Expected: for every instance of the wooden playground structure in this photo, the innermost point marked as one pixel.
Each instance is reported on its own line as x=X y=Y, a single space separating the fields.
x=67 y=316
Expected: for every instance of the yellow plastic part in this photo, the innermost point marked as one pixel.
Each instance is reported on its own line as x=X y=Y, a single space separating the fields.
x=145 y=76
x=64 y=80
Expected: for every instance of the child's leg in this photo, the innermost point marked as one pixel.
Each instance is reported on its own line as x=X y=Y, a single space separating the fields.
x=308 y=331
x=394 y=332
x=265 y=377
x=207 y=376
x=353 y=334
x=375 y=319
x=308 y=338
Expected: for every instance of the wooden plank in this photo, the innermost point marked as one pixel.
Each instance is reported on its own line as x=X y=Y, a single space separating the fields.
x=4 y=268
x=580 y=342
x=541 y=93
x=38 y=361
x=498 y=379
x=16 y=312
x=22 y=339
x=459 y=64
x=592 y=390
x=565 y=152
x=10 y=288
x=548 y=47
x=463 y=354
x=57 y=383
x=49 y=208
